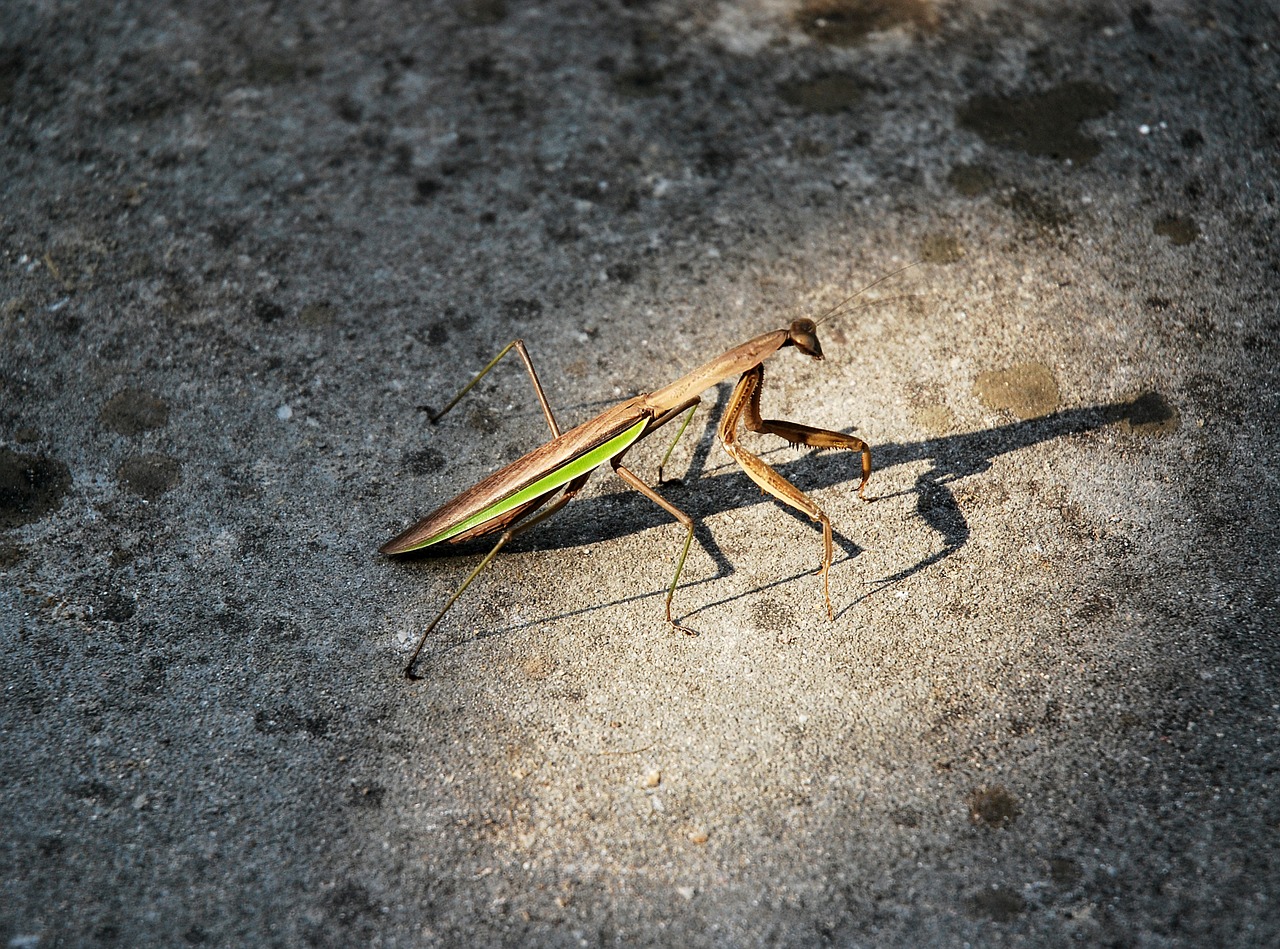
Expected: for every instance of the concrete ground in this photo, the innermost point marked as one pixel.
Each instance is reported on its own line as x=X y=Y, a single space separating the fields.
x=242 y=251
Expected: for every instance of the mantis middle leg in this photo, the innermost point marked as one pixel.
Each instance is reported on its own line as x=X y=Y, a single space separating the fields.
x=631 y=478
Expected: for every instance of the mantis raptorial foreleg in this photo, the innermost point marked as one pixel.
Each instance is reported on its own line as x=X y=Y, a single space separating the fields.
x=518 y=346
x=807 y=435
x=744 y=405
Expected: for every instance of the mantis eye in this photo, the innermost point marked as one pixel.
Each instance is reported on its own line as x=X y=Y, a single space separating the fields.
x=804 y=337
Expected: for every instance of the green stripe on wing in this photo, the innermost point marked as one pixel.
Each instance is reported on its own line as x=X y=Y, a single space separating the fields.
x=546 y=484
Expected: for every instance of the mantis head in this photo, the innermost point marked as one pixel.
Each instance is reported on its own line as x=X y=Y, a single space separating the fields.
x=803 y=335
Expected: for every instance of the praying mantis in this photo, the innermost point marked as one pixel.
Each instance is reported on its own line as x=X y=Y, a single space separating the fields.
x=507 y=500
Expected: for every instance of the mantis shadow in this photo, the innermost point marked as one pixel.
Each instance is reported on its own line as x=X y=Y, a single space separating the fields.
x=699 y=494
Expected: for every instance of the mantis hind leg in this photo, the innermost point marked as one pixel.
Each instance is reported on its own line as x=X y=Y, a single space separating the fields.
x=571 y=489
x=744 y=406
x=518 y=346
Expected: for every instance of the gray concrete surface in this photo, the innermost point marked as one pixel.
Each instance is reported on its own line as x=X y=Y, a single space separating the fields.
x=242 y=250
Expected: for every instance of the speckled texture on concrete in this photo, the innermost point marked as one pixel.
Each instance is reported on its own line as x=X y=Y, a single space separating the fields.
x=241 y=251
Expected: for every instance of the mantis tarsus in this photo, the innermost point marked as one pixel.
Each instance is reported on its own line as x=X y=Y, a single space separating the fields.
x=503 y=501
